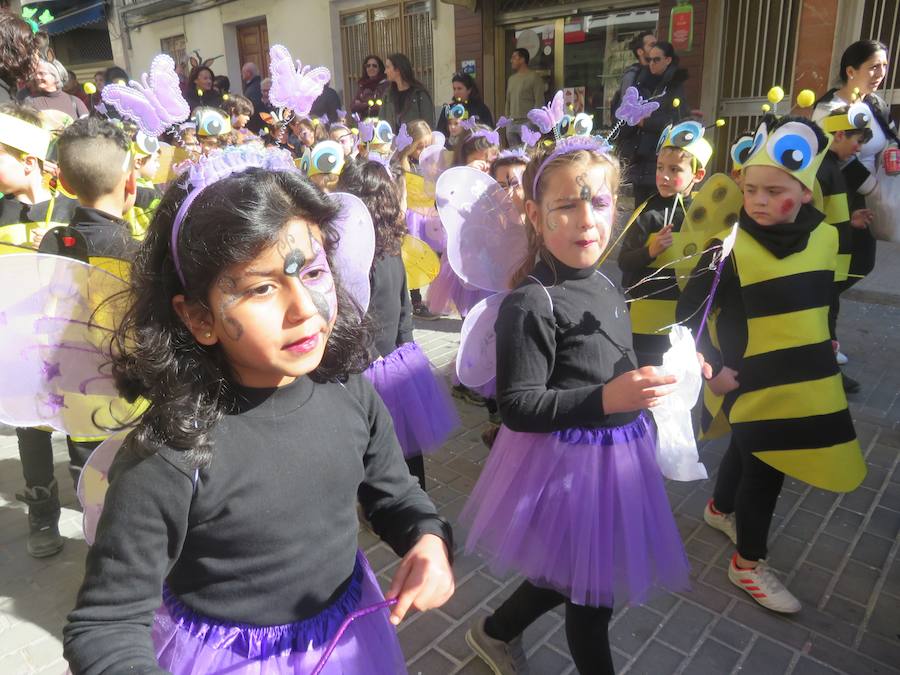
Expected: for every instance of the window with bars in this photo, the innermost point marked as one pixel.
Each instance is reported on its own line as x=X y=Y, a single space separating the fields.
x=176 y=47
x=403 y=27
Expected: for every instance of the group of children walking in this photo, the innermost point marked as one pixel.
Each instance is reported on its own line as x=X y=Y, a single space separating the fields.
x=278 y=397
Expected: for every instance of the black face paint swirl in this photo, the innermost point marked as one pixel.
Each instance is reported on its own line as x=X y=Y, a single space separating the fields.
x=585 y=193
x=295 y=261
x=228 y=286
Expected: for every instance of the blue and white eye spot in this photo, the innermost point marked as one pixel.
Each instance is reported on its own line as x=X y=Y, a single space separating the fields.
x=326 y=157
x=305 y=161
x=685 y=133
x=662 y=138
x=793 y=146
x=583 y=124
x=383 y=132
x=457 y=111
x=759 y=140
x=740 y=151
x=564 y=125
x=859 y=115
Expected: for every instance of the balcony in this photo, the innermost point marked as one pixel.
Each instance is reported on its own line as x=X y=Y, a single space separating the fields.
x=148 y=8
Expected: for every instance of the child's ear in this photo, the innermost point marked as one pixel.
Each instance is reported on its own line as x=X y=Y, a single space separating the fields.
x=197 y=319
x=807 y=196
x=131 y=183
x=533 y=211
x=699 y=174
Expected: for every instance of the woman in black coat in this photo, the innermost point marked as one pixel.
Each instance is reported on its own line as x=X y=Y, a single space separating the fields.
x=466 y=91
x=662 y=81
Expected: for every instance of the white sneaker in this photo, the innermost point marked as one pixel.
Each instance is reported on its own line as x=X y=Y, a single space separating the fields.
x=763 y=586
x=724 y=522
x=841 y=358
x=503 y=658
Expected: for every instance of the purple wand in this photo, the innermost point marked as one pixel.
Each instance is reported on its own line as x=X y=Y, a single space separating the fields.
x=727 y=245
x=343 y=627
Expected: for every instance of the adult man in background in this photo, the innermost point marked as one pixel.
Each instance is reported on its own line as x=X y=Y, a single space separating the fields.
x=253 y=90
x=524 y=91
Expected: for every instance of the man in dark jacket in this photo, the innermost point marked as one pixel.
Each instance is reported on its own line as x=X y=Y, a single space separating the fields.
x=253 y=91
x=640 y=46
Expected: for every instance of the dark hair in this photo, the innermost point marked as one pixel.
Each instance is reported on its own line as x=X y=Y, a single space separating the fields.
x=468 y=143
x=91 y=153
x=156 y=356
x=512 y=160
x=667 y=49
x=638 y=41
x=238 y=105
x=402 y=63
x=18 y=51
x=222 y=84
x=376 y=186
x=114 y=74
x=469 y=83
x=370 y=57
x=521 y=51
x=857 y=54
x=195 y=73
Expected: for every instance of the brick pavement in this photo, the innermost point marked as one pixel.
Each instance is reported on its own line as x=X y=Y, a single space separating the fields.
x=837 y=552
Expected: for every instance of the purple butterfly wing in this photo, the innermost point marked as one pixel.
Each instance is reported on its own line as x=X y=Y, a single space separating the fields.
x=541 y=118
x=167 y=88
x=634 y=108
x=133 y=104
x=281 y=67
x=402 y=140
x=310 y=83
x=529 y=136
x=366 y=132
x=557 y=107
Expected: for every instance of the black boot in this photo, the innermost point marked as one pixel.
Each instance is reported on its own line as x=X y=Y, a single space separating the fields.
x=851 y=386
x=44 y=539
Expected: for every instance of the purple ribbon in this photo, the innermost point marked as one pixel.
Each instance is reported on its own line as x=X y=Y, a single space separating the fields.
x=712 y=294
x=352 y=616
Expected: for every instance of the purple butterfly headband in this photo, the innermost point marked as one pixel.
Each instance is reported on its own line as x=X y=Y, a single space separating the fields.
x=514 y=153
x=566 y=146
x=492 y=135
x=294 y=87
x=213 y=168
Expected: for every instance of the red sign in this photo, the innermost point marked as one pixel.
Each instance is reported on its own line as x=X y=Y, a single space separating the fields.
x=681 y=28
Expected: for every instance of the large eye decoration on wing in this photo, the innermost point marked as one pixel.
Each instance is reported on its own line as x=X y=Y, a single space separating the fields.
x=685 y=133
x=793 y=146
x=740 y=150
x=326 y=157
x=210 y=121
x=859 y=115
x=383 y=132
x=582 y=125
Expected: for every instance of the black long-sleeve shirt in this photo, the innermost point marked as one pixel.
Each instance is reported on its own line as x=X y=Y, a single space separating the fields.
x=558 y=342
x=105 y=235
x=390 y=306
x=268 y=535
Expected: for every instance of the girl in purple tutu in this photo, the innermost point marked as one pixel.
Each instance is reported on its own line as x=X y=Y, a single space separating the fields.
x=420 y=404
x=478 y=147
x=236 y=494
x=571 y=496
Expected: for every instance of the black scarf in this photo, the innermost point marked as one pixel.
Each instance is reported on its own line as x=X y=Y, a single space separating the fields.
x=784 y=239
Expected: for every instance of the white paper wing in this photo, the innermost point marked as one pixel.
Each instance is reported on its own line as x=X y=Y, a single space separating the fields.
x=476 y=360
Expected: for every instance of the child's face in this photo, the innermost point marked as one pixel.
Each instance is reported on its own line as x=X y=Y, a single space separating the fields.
x=149 y=166
x=674 y=173
x=574 y=216
x=272 y=316
x=845 y=145
x=346 y=138
x=773 y=196
x=306 y=135
x=486 y=156
x=510 y=178
x=13 y=179
x=419 y=146
x=240 y=121
x=454 y=128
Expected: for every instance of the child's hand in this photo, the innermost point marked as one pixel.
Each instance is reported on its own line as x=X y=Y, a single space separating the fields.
x=36 y=235
x=424 y=579
x=724 y=382
x=662 y=241
x=861 y=218
x=705 y=368
x=480 y=164
x=636 y=390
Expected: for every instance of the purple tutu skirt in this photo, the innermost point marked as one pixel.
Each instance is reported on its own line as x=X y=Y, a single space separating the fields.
x=420 y=404
x=449 y=289
x=428 y=228
x=582 y=511
x=189 y=644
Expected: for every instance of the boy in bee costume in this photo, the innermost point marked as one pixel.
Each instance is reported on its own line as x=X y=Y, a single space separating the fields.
x=782 y=389
x=145 y=150
x=654 y=239
x=849 y=127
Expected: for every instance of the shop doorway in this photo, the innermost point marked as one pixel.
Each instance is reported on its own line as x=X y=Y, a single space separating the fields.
x=585 y=55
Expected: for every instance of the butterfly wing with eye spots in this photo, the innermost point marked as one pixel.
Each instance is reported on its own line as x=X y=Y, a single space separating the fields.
x=58 y=317
x=356 y=249
x=486 y=240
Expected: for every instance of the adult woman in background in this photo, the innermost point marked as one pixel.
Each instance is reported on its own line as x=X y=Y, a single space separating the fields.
x=47 y=93
x=466 y=92
x=405 y=98
x=369 y=87
x=200 y=88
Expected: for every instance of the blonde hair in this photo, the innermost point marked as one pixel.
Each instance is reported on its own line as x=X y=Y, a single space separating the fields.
x=534 y=192
x=418 y=130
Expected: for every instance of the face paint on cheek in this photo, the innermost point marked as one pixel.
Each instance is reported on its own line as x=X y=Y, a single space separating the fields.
x=787 y=206
x=321 y=288
x=233 y=328
x=678 y=183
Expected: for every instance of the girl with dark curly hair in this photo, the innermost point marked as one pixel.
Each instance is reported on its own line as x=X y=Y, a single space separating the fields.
x=420 y=404
x=18 y=54
x=236 y=493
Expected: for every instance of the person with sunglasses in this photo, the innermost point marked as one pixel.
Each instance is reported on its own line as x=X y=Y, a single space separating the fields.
x=467 y=98
x=663 y=81
x=371 y=83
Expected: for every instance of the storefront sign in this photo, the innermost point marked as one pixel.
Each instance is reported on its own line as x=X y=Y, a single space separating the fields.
x=468 y=67
x=681 y=27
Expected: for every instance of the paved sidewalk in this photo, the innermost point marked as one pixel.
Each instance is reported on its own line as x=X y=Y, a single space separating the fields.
x=838 y=553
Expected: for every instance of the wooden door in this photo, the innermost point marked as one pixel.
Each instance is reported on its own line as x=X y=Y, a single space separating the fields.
x=253 y=45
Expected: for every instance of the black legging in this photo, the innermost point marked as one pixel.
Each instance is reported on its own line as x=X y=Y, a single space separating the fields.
x=36 y=455
x=748 y=487
x=416 y=467
x=587 y=628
